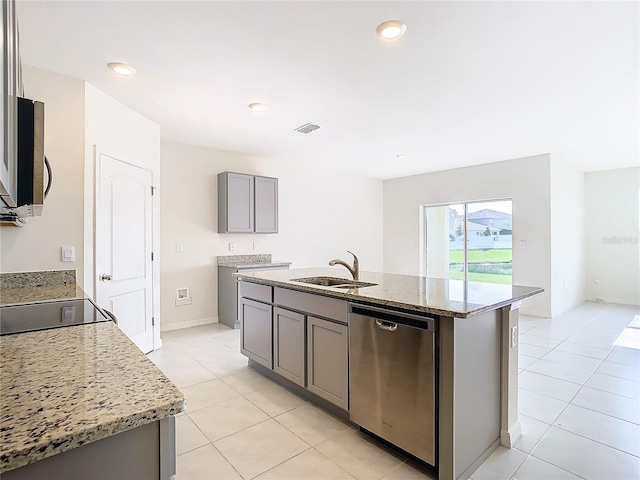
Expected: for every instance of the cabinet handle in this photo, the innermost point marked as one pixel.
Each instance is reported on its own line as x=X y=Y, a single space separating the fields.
x=105 y=277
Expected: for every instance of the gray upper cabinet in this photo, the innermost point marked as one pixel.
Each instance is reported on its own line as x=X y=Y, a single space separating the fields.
x=235 y=203
x=10 y=85
x=266 y=205
x=247 y=203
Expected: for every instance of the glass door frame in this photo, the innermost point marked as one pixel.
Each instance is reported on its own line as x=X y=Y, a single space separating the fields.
x=423 y=229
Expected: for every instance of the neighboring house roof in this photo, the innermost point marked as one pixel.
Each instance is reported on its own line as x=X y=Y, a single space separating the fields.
x=492 y=218
x=488 y=213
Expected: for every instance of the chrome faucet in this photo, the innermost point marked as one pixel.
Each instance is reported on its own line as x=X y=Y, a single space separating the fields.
x=355 y=270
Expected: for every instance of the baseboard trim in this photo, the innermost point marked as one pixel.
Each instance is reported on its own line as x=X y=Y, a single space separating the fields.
x=616 y=301
x=188 y=324
x=509 y=438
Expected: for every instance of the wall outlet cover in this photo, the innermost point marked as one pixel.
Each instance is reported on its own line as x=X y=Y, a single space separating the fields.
x=182 y=292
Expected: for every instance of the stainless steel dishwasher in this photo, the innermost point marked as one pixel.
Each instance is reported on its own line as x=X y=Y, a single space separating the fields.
x=392 y=366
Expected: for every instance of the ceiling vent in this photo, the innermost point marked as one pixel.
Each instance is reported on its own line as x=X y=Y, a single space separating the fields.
x=307 y=128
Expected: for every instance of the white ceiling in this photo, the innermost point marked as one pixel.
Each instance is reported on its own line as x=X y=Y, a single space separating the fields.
x=469 y=82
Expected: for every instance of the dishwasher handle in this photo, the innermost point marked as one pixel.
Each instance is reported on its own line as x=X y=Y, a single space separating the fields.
x=388 y=318
x=384 y=325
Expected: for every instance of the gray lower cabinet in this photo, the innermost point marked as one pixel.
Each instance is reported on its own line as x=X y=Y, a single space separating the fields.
x=256 y=331
x=289 y=345
x=327 y=361
x=229 y=292
x=283 y=330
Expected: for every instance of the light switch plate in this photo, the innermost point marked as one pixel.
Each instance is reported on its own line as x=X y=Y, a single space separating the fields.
x=68 y=254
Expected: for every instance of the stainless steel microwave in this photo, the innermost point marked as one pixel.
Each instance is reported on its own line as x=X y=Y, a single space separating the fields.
x=29 y=163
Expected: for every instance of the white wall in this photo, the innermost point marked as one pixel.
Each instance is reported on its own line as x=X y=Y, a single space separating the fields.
x=568 y=247
x=612 y=228
x=36 y=246
x=524 y=180
x=321 y=215
x=113 y=129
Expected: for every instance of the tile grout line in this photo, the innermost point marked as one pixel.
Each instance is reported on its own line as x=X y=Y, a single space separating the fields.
x=600 y=362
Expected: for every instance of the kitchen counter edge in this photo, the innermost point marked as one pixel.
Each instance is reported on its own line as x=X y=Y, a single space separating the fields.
x=25 y=449
x=349 y=295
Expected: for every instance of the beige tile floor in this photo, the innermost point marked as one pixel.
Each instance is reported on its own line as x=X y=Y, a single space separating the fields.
x=579 y=401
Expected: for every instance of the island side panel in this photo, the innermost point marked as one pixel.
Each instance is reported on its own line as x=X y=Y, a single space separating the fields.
x=145 y=452
x=470 y=379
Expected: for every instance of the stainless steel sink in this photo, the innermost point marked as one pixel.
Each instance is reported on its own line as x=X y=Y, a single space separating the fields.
x=354 y=284
x=333 y=282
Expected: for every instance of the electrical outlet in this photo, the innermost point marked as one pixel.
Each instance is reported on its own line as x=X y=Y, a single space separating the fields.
x=256 y=246
x=514 y=336
x=232 y=247
x=182 y=292
x=179 y=247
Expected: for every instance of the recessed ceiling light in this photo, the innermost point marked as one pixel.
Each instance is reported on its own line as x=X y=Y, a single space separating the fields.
x=401 y=156
x=258 y=107
x=122 y=69
x=391 y=29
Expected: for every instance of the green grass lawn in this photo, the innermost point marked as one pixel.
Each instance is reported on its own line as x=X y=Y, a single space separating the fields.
x=479 y=256
x=480 y=277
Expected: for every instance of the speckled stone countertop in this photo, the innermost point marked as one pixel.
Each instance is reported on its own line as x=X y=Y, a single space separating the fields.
x=45 y=293
x=259 y=260
x=34 y=287
x=451 y=298
x=66 y=387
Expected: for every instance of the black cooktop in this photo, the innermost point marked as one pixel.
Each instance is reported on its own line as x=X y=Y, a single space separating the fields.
x=43 y=316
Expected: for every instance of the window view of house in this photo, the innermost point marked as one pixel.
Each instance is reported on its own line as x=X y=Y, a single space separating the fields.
x=469 y=241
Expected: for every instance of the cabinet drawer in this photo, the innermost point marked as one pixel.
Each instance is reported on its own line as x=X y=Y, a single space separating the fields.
x=315 y=304
x=262 y=293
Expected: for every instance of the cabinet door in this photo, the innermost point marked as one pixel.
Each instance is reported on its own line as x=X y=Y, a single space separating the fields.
x=9 y=74
x=235 y=203
x=289 y=345
x=327 y=361
x=266 y=205
x=256 y=331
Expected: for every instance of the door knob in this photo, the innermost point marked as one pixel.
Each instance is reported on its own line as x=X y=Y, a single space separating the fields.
x=105 y=277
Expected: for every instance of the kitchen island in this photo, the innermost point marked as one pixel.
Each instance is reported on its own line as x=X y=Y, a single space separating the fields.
x=301 y=334
x=82 y=401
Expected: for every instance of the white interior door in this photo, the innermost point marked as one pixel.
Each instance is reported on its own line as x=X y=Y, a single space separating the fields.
x=123 y=247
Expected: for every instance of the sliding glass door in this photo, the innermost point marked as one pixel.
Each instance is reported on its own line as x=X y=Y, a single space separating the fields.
x=469 y=241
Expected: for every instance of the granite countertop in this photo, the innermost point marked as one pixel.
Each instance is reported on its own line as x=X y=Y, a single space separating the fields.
x=255 y=265
x=259 y=260
x=451 y=298
x=66 y=387
x=35 y=287
x=44 y=293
